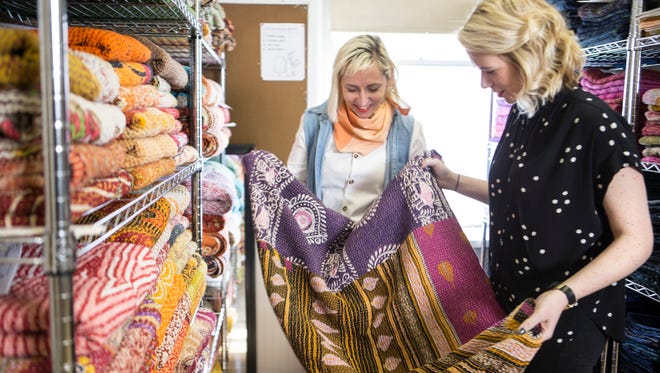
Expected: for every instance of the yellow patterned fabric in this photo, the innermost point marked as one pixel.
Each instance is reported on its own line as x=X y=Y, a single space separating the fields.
x=148 y=173
x=19 y=58
x=148 y=122
x=148 y=149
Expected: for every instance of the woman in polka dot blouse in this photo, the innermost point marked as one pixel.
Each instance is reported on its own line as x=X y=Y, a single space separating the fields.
x=569 y=217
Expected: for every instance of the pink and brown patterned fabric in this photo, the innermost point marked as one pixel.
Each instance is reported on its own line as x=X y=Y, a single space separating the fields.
x=404 y=283
x=110 y=281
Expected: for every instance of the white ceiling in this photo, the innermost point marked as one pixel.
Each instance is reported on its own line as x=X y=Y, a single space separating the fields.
x=435 y=16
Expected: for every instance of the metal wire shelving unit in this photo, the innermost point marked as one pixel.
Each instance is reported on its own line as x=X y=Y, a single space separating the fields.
x=173 y=25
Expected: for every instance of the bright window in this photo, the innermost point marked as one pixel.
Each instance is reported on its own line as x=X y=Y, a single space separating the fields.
x=438 y=81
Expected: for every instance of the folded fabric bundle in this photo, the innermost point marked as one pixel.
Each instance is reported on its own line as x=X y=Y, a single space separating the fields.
x=179 y=198
x=19 y=58
x=164 y=65
x=137 y=97
x=89 y=121
x=81 y=80
x=651 y=130
x=132 y=73
x=20 y=114
x=180 y=138
x=92 y=161
x=211 y=92
x=651 y=151
x=212 y=117
x=186 y=155
x=147 y=174
x=166 y=100
x=25 y=207
x=110 y=280
x=161 y=83
x=107 y=44
x=173 y=111
x=328 y=277
x=139 y=342
x=652 y=96
x=198 y=337
x=214 y=141
x=98 y=191
x=652 y=115
x=649 y=140
x=147 y=122
x=103 y=71
x=218 y=190
x=187 y=307
x=651 y=159
x=147 y=150
x=103 y=122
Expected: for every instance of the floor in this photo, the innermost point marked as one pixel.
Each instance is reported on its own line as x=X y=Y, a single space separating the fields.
x=237 y=337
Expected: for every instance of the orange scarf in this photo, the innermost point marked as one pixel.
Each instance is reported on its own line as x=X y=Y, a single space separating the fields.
x=356 y=135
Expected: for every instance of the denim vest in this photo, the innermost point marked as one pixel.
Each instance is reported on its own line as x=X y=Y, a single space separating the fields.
x=318 y=129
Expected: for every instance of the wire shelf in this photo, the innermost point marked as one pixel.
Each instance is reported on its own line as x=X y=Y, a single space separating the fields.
x=120 y=13
x=642 y=290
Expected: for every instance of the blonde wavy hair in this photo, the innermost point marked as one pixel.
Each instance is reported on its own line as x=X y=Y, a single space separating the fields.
x=357 y=54
x=534 y=37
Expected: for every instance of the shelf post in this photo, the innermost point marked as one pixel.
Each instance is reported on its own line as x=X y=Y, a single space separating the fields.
x=59 y=247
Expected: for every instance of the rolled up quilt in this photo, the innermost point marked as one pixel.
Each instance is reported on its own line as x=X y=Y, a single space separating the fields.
x=19 y=58
x=187 y=155
x=103 y=71
x=89 y=115
x=98 y=191
x=137 y=97
x=20 y=114
x=89 y=121
x=132 y=73
x=92 y=161
x=164 y=65
x=146 y=150
x=147 y=174
x=166 y=100
x=107 y=44
x=161 y=83
x=81 y=79
x=147 y=122
x=214 y=141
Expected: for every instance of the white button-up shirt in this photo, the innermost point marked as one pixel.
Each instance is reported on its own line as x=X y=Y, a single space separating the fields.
x=350 y=182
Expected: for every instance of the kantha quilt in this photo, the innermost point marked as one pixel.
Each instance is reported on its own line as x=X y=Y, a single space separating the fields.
x=399 y=291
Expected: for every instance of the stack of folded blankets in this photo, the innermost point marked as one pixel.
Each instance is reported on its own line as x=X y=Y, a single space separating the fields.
x=137 y=294
x=610 y=86
x=650 y=125
x=594 y=22
x=95 y=124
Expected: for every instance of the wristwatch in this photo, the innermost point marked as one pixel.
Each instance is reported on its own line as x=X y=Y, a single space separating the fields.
x=572 y=302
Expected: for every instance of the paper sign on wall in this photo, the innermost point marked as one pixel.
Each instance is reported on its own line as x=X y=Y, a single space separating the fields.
x=283 y=51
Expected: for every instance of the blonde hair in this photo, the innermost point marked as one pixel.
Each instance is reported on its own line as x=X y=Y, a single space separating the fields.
x=357 y=54
x=534 y=37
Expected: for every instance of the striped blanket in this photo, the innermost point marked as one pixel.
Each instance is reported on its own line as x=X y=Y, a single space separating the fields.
x=399 y=291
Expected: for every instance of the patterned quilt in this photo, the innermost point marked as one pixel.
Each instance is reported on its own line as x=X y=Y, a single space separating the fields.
x=399 y=291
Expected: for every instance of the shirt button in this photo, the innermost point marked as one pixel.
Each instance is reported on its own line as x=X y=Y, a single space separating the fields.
x=344 y=208
x=356 y=155
x=351 y=181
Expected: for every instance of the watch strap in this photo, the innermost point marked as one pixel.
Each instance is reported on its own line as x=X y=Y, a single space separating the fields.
x=572 y=301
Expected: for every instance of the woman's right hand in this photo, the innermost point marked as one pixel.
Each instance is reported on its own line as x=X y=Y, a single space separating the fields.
x=445 y=177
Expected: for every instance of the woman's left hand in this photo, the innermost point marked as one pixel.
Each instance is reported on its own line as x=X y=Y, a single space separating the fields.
x=547 y=311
